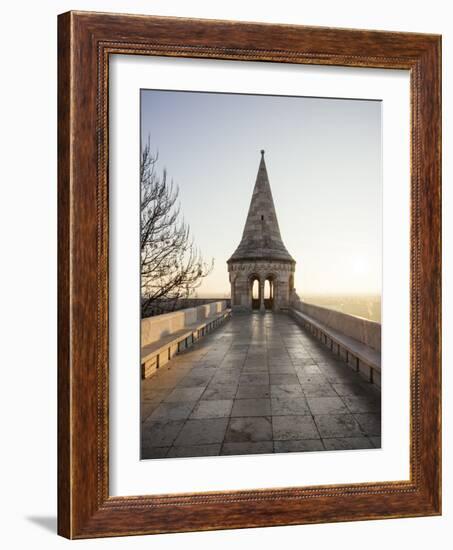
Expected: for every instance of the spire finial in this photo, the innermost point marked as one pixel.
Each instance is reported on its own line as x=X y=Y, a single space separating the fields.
x=262 y=152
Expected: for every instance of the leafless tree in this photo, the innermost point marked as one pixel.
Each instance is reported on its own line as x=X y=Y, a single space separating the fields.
x=171 y=266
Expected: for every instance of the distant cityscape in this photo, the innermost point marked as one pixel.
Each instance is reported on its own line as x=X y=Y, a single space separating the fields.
x=360 y=305
x=367 y=306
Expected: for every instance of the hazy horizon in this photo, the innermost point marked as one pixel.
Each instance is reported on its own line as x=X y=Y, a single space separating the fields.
x=323 y=159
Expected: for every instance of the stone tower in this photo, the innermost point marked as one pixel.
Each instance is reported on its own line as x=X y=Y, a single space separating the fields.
x=261 y=269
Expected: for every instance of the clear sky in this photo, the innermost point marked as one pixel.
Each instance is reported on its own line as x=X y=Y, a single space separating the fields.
x=323 y=159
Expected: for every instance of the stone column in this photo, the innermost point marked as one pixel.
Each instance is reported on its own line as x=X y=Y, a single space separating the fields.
x=262 y=308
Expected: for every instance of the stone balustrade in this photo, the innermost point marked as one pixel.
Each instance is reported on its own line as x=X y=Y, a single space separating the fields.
x=162 y=336
x=356 y=340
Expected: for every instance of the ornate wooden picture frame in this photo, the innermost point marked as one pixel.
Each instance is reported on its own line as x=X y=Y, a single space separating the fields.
x=85 y=508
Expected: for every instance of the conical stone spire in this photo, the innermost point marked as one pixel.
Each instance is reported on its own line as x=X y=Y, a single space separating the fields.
x=261 y=239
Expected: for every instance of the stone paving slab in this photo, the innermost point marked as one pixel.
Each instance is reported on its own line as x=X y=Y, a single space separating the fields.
x=251 y=407
x=258 y=384
x=254 y=378
x=319 y=390
x=214 y=408
x=249 y=391
x=283 y=379
x=370 y=423
x=348 y=443
x=161 y=433
x=220 y=392
x=285 y=406
x=171 y=411
x=362 y=404
x=337 y=425
x=327 y=405
x=185 y=451
x=201 y=432
x=247 y=448
x=185 y=394
x=298 y=446
x=286 y=390
x=249 y=429
x=294 y=427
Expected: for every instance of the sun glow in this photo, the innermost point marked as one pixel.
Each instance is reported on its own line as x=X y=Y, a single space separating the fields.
x=360 y=267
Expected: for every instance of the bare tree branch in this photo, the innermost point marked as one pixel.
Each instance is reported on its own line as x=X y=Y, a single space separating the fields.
x=171 y=266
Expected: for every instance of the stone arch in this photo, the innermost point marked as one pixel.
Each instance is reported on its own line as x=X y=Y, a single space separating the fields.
x=254 y=284
x=270 y=287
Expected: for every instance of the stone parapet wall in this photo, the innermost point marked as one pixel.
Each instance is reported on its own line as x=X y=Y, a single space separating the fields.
x=365 y=331
x=160 y=326
x=159 y=307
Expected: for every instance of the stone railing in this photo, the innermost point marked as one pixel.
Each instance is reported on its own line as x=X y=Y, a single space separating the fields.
x=363 y=330
x=356 y=340
x=162 y=336
x=170 y=306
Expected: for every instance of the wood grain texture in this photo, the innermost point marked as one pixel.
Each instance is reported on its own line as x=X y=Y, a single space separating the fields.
x=85 y=42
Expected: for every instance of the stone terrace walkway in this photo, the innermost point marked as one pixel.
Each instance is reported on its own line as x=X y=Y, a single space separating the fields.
x=258 y=384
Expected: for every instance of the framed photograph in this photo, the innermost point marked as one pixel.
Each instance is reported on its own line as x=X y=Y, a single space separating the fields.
x=249 y=275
